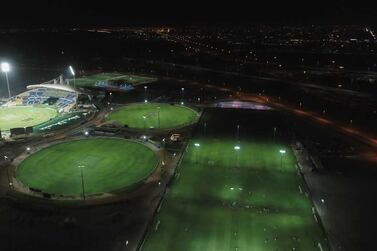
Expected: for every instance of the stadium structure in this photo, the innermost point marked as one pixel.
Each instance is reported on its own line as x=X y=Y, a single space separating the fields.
x=40 y=103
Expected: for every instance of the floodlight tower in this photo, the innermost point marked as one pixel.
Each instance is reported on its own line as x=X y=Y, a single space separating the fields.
x=82 y=180
x=145 y=94
x=73 y=74
x=183 y=91
x=282 y=153
x=144 y=120
x=237 y=148
x=5 y=68
x=197 y=146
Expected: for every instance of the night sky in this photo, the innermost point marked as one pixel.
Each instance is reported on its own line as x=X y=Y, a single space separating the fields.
x=179 y=12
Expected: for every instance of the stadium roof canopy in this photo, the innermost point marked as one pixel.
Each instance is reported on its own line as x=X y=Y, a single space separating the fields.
x=52 y=86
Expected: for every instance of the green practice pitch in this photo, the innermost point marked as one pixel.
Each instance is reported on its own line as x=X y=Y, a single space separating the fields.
x=91 y=80
x=24 y=116
x=154 y=115
x=107 y=165
x=224 y=199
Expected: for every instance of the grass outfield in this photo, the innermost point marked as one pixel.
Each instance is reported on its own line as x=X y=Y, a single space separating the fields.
x=24 y=116
x=227 y=200
x=108 y=165
x=89 y=81
x=167 y=116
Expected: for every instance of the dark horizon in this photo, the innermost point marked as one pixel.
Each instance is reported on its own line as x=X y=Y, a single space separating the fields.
x=70 y=13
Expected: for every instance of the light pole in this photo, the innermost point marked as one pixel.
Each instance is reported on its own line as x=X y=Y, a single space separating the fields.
x=5 y=67
x=158 y=115
x=73 y=74
x=183 y=90
x=238 y=133
x=144 y=118
x=82 y=181
x=237 y=148
x=145 y=94
x=8 y=176
x=282 y=153
x=197 y=146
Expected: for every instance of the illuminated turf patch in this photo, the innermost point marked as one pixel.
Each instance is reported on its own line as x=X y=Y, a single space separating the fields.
x=154 y=115
x=107 y=165
x=24 y=116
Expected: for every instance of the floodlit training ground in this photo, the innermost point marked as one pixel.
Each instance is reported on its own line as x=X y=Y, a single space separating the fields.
x=233 y=195
x=107 y=165
x=154 y=115
x=24 y=116
x=90 y=80
x=227 y=199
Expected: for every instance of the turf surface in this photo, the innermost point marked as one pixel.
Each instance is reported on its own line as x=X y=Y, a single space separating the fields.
x=24 y=116
x=107 y=164
x=227 y=200
x=167 y=116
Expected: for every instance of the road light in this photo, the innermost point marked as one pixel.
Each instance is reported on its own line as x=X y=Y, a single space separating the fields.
x=282 y=153
x=5 y=68
x=73 y=74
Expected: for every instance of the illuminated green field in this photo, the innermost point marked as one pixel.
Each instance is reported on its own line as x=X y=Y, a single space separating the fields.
x=24 y=116
x=225 y=199
x=154 y=115
x=90 y=80
x=107 y=165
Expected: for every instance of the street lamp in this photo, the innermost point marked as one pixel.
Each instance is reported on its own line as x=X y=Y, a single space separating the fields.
x=282 y=153
x=73 y=74
x=5 y=68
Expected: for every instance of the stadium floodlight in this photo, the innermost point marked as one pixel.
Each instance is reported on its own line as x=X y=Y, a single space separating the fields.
x=86 y=133
x=5 y=68
x=282 y=152
x=144 y=120
x=197 y=144
x=71 y=70
x=28 y=149
x=237 y=147
x=73 y=74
